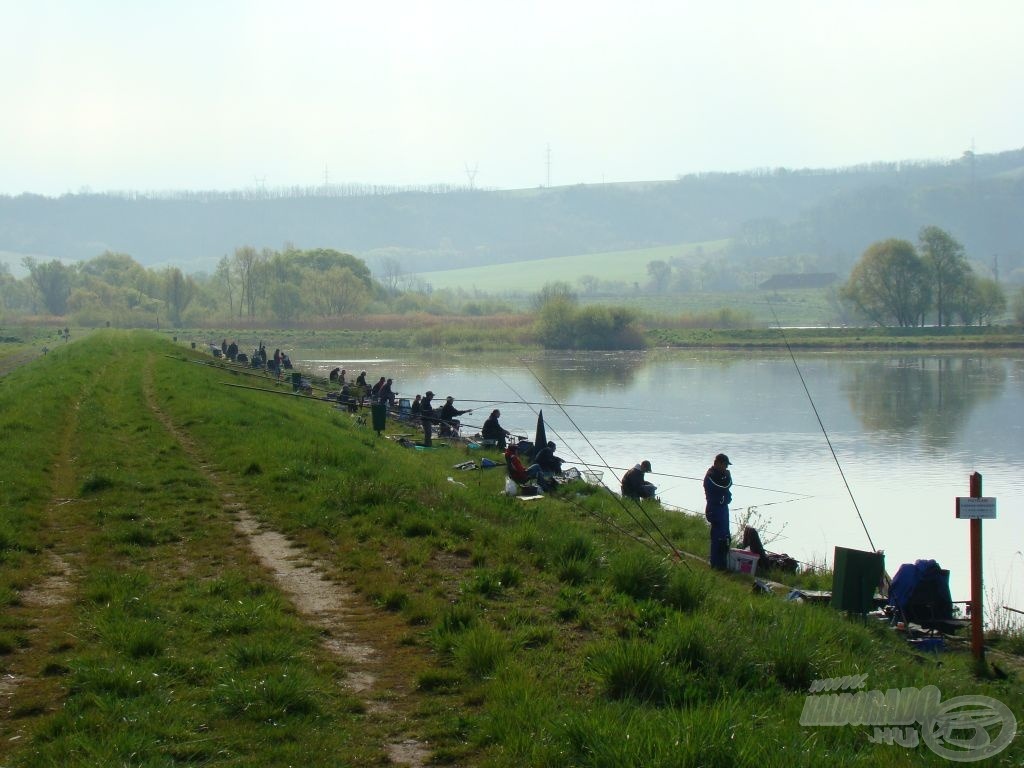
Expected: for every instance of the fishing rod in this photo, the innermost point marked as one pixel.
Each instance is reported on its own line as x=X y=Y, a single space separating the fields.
x=649 y=541
x=566 y=405
x=822 y=425
x=282 y=392
x=594 y=449
x=699 y=479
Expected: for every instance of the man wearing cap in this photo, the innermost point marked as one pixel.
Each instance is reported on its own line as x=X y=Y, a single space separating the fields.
x=717 y=485
x=427 y=417
x=449 y=424
x=634 y=486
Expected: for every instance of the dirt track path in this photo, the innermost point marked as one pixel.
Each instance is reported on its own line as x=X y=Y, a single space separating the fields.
x=350 y=628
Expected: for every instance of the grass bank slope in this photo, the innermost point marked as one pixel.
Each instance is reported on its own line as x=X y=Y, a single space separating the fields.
x=550 y=632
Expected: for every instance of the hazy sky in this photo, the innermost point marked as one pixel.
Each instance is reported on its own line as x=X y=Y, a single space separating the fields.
x=226 y=94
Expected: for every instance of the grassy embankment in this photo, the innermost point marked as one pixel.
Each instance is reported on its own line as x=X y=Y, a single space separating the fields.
x=138 y=627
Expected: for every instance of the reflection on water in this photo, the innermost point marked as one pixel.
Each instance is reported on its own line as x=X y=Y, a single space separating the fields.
x=564 y=376
x=932 y=395
x=907 y=431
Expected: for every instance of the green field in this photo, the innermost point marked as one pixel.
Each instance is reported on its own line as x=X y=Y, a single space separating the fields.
x=528 y=276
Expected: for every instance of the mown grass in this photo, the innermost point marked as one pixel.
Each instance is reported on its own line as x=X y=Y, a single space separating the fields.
x=541 y=635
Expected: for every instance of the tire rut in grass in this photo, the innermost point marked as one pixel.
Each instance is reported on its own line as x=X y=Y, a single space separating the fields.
x=25 y=689
x=327 y=604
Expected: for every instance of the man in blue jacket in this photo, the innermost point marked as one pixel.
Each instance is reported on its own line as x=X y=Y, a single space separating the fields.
x=717 y=485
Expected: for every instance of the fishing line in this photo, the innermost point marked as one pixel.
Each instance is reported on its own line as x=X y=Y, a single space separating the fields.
x=822 y=425
x=639 y=523
x=701 y=479
x=594 y=449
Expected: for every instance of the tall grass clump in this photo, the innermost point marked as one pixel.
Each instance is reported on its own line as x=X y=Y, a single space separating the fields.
x=687 y=589
x=632 y=669
x=639 y=574
x=479 y=651
x=576 y=559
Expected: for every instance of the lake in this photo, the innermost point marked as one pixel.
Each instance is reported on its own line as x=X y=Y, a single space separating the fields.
x=907 y=430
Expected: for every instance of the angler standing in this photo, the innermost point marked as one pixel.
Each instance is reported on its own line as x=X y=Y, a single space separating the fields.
x=717 y=491
x=427 y=417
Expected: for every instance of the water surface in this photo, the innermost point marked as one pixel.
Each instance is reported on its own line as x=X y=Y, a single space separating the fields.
x=906 y=431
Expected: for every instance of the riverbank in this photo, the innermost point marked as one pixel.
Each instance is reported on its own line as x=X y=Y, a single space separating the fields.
x=482 y=336
x=840 y=339
x=192 y=572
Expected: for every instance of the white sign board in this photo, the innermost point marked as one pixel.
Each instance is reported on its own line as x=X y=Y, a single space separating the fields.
x=976 y=509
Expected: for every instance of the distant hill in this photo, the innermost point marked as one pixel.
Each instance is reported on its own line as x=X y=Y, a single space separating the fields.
x=818 y=220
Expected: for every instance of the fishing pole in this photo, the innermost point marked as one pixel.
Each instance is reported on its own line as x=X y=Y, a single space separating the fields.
x=699 y=479
x=649 y=541
x=282 y=392
x=594 y=449
x=566 y=405
x=822 y=425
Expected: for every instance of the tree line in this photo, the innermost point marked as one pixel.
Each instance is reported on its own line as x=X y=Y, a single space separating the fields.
x=896 y=283
x=250 y=285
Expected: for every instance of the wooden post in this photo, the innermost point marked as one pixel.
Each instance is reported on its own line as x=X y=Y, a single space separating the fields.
x=977 y=610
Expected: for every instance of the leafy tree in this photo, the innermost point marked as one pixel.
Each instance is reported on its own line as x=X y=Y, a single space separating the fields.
x=336 y=292
x=134 y=283
x=179 y=291
x=980 y=300
x=285 y=300
x=52 y=281
x=890 y=283
x=326 y=259
x=948 y=267
x=556 y=326
x=225 y=275
x=558 y=290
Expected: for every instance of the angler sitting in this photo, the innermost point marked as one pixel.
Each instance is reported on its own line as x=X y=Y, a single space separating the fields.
x=634 y=486
x=545 y=464
x=449 y=424
x=492 y=431
x=516 y=470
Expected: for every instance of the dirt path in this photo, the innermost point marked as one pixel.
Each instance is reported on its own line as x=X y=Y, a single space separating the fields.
x=16 y=359
x=351 y=629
